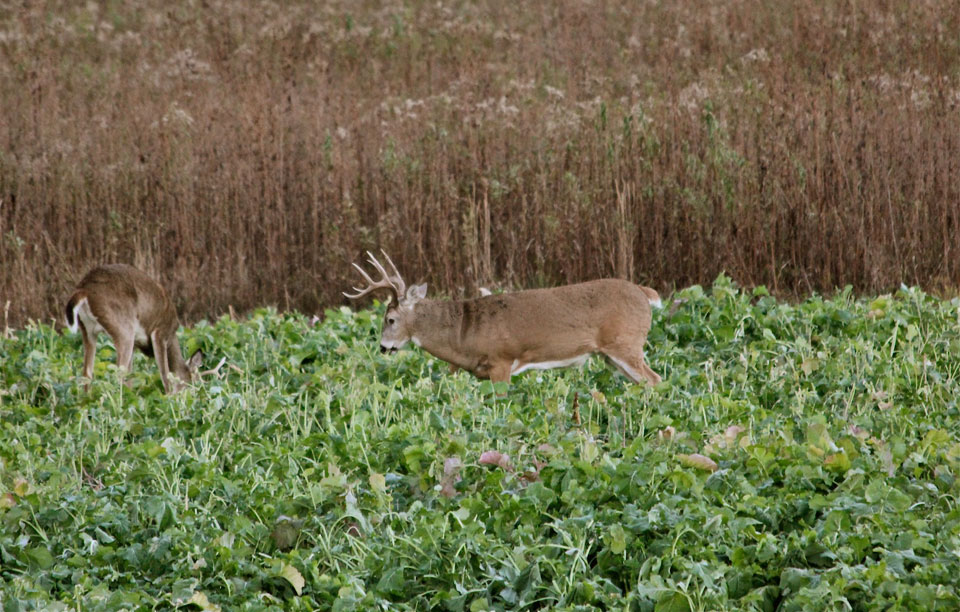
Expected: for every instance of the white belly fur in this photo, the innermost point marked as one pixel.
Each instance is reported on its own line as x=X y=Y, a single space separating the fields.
x=579 y=360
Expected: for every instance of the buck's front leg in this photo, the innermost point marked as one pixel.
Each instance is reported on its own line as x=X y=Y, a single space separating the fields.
x=500 y=372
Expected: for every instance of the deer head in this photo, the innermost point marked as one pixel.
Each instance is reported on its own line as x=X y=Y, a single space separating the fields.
x=398 y=320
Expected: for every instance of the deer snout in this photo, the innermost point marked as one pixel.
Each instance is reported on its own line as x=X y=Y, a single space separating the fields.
x=387 y=349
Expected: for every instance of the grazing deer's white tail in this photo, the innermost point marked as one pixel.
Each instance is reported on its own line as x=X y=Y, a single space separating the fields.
x=652 y=296
x=77 y=300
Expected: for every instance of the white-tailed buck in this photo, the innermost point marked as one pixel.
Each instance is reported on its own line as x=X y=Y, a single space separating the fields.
x=136 y=312
x=496 y=336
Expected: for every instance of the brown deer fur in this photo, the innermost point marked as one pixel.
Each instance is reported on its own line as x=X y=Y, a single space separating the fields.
x=497 y=336
x=136 y=312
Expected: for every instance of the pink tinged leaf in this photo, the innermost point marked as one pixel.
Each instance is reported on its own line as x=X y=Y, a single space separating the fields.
x=489 y=458
x=858 y=432
x=451 y=476
x=451 y=465
x=531 y=475
x=731 y=433
x=698 y=461
x=497 y=458
x=447 y=489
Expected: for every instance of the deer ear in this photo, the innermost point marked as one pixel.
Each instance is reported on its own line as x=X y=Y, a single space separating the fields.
x=416 y=293
x=195 y=360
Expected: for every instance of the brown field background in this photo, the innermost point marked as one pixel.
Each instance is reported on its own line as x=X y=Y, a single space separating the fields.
x=246 y=152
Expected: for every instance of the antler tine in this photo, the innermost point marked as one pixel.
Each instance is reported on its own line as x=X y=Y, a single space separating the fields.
x=384 y=283
x=377 y=265
x=397 y=279
x=361 y=292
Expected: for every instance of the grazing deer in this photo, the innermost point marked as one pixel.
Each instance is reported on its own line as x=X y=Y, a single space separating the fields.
x=497 y=336
x=136 y=312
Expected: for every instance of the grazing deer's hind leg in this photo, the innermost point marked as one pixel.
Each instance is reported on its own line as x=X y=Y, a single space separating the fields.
x=124 y=346
x=123 y=342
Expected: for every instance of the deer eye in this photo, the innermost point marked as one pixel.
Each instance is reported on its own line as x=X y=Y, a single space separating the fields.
x=391 y=320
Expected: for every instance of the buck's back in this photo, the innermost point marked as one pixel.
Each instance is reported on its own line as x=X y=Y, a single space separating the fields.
x=560 y=310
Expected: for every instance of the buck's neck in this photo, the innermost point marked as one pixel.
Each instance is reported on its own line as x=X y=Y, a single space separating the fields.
x=437 y=326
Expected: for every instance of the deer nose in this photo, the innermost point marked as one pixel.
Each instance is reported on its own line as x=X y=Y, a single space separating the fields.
x=383 y=349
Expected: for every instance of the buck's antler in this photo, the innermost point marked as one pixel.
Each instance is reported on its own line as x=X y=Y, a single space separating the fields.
x=215 y=371
x=392 y=282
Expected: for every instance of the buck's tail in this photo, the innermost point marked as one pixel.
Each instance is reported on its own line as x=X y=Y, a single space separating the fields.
x=73 y=305
x=652 y=296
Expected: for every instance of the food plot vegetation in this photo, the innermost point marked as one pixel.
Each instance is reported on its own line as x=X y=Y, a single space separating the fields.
x=796 y=457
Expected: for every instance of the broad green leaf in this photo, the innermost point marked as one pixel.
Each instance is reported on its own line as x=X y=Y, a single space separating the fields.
x=21 y=487
x=41 y=556
x=293 y=576
x=616 y=539
x=200 y=600
x=377 y=482
x=673 y=602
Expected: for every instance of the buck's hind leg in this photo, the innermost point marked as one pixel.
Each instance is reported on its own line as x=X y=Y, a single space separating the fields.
x=648 y=372
x=632 y=364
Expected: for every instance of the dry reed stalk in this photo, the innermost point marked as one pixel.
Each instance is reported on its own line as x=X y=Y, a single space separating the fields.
x=803 y=145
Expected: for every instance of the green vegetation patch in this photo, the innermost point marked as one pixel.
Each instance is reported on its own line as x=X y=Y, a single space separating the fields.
x=796 y=457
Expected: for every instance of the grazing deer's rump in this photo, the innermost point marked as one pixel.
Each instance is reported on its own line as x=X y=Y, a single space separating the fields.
x=135 y=311
x=497 y=336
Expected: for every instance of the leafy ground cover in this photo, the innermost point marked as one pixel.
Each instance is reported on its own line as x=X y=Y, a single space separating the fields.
x=796 y=457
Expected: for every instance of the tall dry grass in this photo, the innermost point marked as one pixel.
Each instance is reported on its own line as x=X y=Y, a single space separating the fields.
x=246 y=152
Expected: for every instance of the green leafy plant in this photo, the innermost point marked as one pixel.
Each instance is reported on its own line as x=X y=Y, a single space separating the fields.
x=796 y=456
